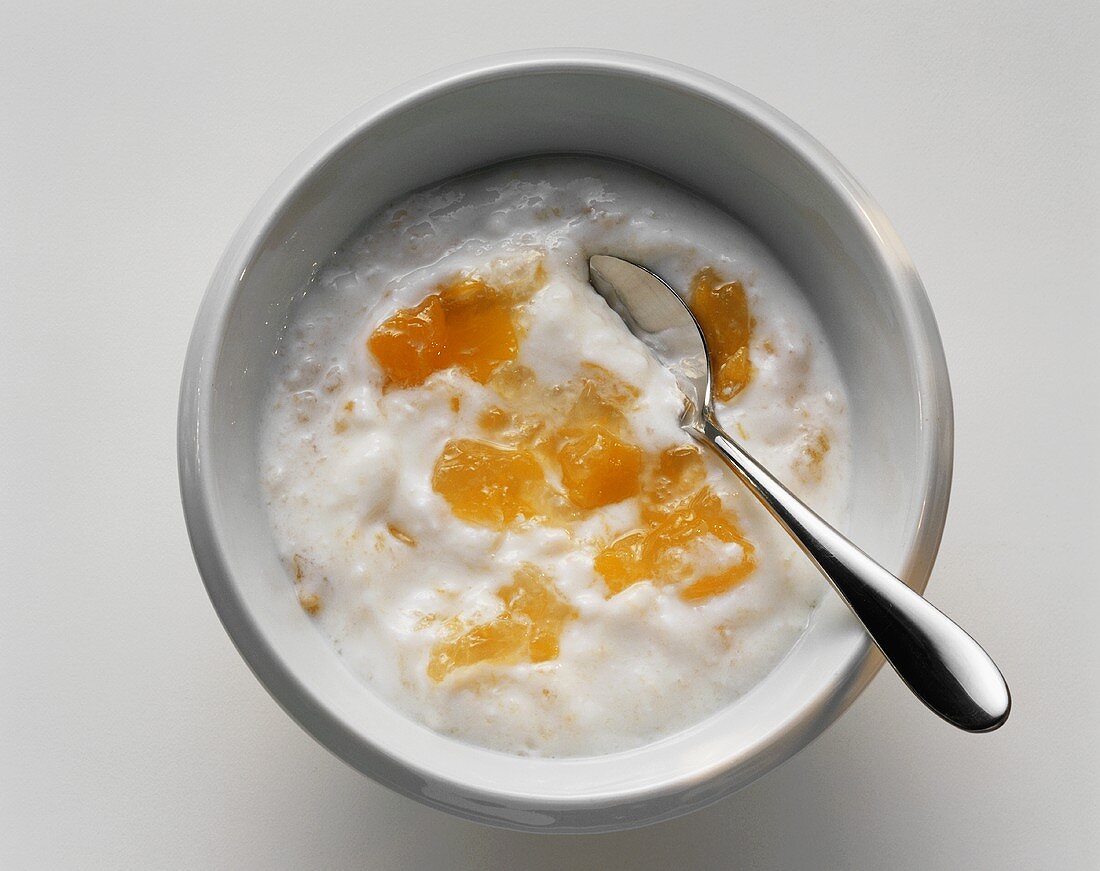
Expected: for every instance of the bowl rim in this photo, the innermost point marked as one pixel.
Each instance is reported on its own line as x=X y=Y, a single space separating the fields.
x=364 y=752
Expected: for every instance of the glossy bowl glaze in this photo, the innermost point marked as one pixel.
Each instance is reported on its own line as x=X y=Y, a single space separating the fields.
x=706 y=135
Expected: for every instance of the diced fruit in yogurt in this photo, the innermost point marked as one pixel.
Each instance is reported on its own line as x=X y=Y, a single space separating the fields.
x=678 y=514
x=543 y=417
x=722 y=309
x=527 y=630
x=490 y=485
x=466 y=323
x=597 y=468
x=581 y=428
x=604 y=401
x=678 y=473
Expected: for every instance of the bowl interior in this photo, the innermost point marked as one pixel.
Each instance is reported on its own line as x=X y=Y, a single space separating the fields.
x=706 y=136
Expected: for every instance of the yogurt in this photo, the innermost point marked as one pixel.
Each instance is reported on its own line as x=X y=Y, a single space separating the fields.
x=402 y=575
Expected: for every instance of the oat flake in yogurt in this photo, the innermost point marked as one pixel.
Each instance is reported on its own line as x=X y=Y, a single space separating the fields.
x=477 y=480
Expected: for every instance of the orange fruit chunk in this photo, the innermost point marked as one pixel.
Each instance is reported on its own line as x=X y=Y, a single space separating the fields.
x=528 y=629
x=722 y=309
x=490 y=485
x=678 y=511
x=466 y=323
x=598 y=468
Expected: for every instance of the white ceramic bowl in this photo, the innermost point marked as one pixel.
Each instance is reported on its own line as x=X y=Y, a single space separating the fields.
x=706 y=135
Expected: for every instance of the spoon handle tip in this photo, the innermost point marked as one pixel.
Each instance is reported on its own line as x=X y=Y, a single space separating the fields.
x=943 y=666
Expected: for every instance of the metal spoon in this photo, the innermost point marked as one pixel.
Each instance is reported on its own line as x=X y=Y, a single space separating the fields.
x=943 y=666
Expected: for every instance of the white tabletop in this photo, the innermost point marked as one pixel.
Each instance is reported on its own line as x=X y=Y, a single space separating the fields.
x=135 y=138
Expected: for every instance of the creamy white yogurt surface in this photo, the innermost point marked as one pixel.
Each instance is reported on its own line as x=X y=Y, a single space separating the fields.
x=634 y=667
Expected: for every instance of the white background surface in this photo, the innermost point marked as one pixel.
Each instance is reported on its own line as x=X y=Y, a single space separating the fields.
x=134 y=139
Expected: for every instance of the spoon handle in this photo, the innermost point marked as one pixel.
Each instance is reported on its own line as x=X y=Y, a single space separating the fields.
x=943 y=666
